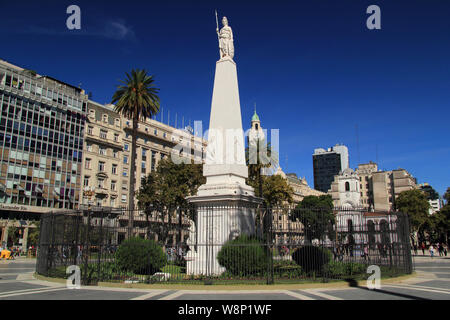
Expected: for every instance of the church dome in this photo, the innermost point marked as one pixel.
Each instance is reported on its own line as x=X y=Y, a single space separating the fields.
x=255 y=117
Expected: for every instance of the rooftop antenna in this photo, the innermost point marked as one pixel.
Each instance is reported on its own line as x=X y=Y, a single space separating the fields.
x=176 y=115
x=168 y=117
x=357 y=143
x=182 y=123
x=376 y=153
x=162 y=114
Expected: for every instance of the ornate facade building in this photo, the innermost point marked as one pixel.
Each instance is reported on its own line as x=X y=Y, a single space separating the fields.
x=345 y=190
x=369 y=188
x=299 y=186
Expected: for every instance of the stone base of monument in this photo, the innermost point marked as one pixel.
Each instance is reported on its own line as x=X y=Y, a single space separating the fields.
x=220 y=218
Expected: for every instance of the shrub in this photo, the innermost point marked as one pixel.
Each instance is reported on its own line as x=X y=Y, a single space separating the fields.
x=337 y=269
x=287 y=269
x=243 y=256
x=311 y=258
x=140 y=256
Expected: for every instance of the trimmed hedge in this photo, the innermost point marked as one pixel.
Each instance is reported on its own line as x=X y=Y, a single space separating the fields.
x=312 y=258
x=243 y=256
x=337 y=269
x=140 y=256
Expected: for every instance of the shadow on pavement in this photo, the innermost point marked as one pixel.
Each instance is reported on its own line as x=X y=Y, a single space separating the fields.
x=354 y=284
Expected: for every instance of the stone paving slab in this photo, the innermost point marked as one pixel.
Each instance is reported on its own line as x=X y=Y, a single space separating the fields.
x=13 y=286
x=76 y=294
x=235 y=296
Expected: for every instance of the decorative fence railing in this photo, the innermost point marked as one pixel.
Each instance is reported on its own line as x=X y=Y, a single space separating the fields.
x=223 y=244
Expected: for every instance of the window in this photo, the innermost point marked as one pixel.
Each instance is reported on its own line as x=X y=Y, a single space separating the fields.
x=125 y=172
x=86 y=181
x=101 y=182
x=101 y=166
x=113 y=185
x=116 y=137
x=102 y=151
x=103 y=134
x=347 y=186
x=114 y=169
x=153 y=166
x=165 y=135
x=89 y=147
x=124 y=185
x=125 y=147
x=90 y=129
x=117 y=121
x=112 y=202
x=87 y=164
x=125 y=159
x=105 y=118
x=155 y=132
x=124 y=198
x=143 y=167
x=144 y=154
x=115 y=154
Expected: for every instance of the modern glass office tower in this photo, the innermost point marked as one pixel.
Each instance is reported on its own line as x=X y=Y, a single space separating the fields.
x=41 y=144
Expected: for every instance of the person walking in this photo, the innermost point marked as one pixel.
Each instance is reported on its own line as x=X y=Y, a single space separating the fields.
x=415 y=249
x=445 y=249
x=431 y=251
x=366 y=253
x=423 y=248
x=441 y=250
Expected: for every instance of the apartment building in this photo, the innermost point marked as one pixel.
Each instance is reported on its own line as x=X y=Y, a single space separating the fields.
x=379 y=189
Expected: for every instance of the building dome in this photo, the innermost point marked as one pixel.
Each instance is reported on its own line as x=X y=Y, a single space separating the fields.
x=255 y=117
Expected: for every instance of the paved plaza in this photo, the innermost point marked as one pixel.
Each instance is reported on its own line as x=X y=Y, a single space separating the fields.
x=432 y=282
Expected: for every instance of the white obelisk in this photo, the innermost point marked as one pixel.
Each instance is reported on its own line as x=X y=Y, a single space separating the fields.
x=226 y=204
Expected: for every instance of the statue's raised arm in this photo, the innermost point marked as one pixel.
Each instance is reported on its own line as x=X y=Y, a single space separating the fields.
x=226 y=40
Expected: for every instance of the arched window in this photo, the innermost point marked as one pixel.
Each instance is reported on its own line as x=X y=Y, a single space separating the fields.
x=347 y=186
x=384 y=230
x=256 y=126
x=350 y=225
x=371 y=232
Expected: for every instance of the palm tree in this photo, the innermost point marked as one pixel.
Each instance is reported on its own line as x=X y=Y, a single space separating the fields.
x=136 y=99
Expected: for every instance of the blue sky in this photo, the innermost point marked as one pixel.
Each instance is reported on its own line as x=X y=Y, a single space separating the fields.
x=312 y=67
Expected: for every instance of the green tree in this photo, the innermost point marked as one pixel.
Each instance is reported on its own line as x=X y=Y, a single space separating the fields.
x=13 y=235
x=276 y=191
x=430 y=192
x=440 y=224
x=164 y=191
x=136 y=99
x=415 y=204
x=447 y=195
x=33 y=235
x=316 y=215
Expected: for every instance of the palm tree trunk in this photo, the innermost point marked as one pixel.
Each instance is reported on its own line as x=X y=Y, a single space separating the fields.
x=132 y=179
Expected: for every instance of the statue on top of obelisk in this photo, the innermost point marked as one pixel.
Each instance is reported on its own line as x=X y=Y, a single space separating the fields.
x=225 y=39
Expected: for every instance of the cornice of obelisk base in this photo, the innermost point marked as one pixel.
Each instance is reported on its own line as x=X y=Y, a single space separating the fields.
x=226 y=59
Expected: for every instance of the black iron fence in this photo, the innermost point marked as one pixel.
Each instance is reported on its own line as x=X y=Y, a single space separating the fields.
x=223 y=244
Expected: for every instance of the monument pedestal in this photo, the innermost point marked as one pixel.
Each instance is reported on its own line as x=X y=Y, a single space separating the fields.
x=220 y=218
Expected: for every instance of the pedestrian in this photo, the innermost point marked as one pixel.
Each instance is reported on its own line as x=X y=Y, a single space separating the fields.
x=445 y=250
x=415 y=249
x=423 y=248
x=441 y=250
x=366 y=253
x=431 y=251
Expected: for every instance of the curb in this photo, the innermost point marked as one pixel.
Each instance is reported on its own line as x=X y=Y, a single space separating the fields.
x=250 y=287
